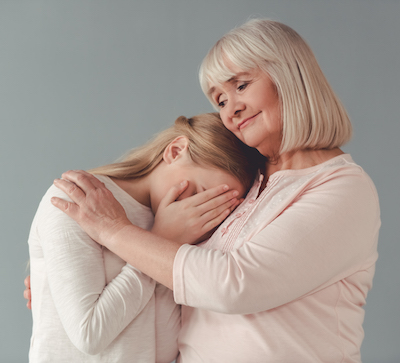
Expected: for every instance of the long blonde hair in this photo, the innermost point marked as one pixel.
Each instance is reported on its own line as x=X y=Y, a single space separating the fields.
x=312 y=116
x=210 y=143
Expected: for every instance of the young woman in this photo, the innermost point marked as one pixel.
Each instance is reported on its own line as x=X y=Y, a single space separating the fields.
x=88 y=304
x=285 y=277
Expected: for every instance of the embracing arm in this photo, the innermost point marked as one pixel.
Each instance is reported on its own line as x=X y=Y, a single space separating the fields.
x=324 y=235
x=148 y=252
x=103 y=218
x=93 y=313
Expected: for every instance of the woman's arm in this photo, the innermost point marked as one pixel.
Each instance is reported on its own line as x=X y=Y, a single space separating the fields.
x=93 y=313
x=102 y=217
x=322 y=235
x=325 y=234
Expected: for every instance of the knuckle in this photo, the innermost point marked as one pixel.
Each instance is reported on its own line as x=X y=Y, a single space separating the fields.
x=71 y=188
x=80 y=177
x=66 y=207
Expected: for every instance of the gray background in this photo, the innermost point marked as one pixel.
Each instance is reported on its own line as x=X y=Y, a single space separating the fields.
x=83 y=81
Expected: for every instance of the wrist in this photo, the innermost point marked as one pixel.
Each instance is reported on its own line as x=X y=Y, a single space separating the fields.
x=114 y=235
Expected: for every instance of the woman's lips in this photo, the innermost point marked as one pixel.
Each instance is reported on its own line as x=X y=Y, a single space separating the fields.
x=246 y=121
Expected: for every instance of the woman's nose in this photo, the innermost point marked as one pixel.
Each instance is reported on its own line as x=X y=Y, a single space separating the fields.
x=237 y=108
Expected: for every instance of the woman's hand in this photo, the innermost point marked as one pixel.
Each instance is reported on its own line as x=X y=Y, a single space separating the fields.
x=193 y=219
x=94 y=206
x=27 y=292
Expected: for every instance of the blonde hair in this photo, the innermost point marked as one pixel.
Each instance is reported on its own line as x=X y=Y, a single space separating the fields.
x=210 y=143
x=312 y=115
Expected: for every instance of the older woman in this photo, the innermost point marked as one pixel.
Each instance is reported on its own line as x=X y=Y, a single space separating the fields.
x=285 y=276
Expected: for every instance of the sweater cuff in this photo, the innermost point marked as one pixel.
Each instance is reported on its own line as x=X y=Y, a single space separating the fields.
x=178 y=274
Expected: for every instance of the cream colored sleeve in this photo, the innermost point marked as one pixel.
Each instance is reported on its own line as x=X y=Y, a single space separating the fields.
x=93 y=313
x=168 y=324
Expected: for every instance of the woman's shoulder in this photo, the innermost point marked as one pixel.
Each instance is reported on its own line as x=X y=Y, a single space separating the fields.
x=338 y=175
x=345 y=167
x=343 y=178
x=136 y=212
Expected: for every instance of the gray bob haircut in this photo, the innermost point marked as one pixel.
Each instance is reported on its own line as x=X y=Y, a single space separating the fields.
x=312 y=115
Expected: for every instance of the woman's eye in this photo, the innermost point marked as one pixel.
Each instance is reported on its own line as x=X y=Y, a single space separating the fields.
x=242 y=86
x=221 y=104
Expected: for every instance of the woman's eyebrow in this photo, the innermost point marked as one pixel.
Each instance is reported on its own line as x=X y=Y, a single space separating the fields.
x=236 y=76
x=211 y=91
x=230 y=80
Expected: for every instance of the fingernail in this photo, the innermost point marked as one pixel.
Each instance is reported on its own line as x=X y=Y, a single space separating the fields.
x=235 y=193
x=183 y=183
x=226 y=187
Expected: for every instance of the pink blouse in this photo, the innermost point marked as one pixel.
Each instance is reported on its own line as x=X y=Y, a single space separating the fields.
x=285 y=277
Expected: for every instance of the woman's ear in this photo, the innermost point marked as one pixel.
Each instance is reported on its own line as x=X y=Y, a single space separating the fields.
x=176 y=149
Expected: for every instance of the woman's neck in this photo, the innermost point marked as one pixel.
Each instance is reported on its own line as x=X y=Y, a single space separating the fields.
x=138 y=189
x=300 y=159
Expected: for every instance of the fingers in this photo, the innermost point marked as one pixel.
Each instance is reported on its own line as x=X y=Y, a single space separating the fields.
x=220 y=202
x=71 y=189
x=27 y=292
x=209 y=194
x=214 y=222
x=82 y=179
x=212 y=198
x=174 y=193
x=215 y=217
x=71 y=209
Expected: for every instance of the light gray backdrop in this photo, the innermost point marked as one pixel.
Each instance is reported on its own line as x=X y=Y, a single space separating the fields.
x=83 y=81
